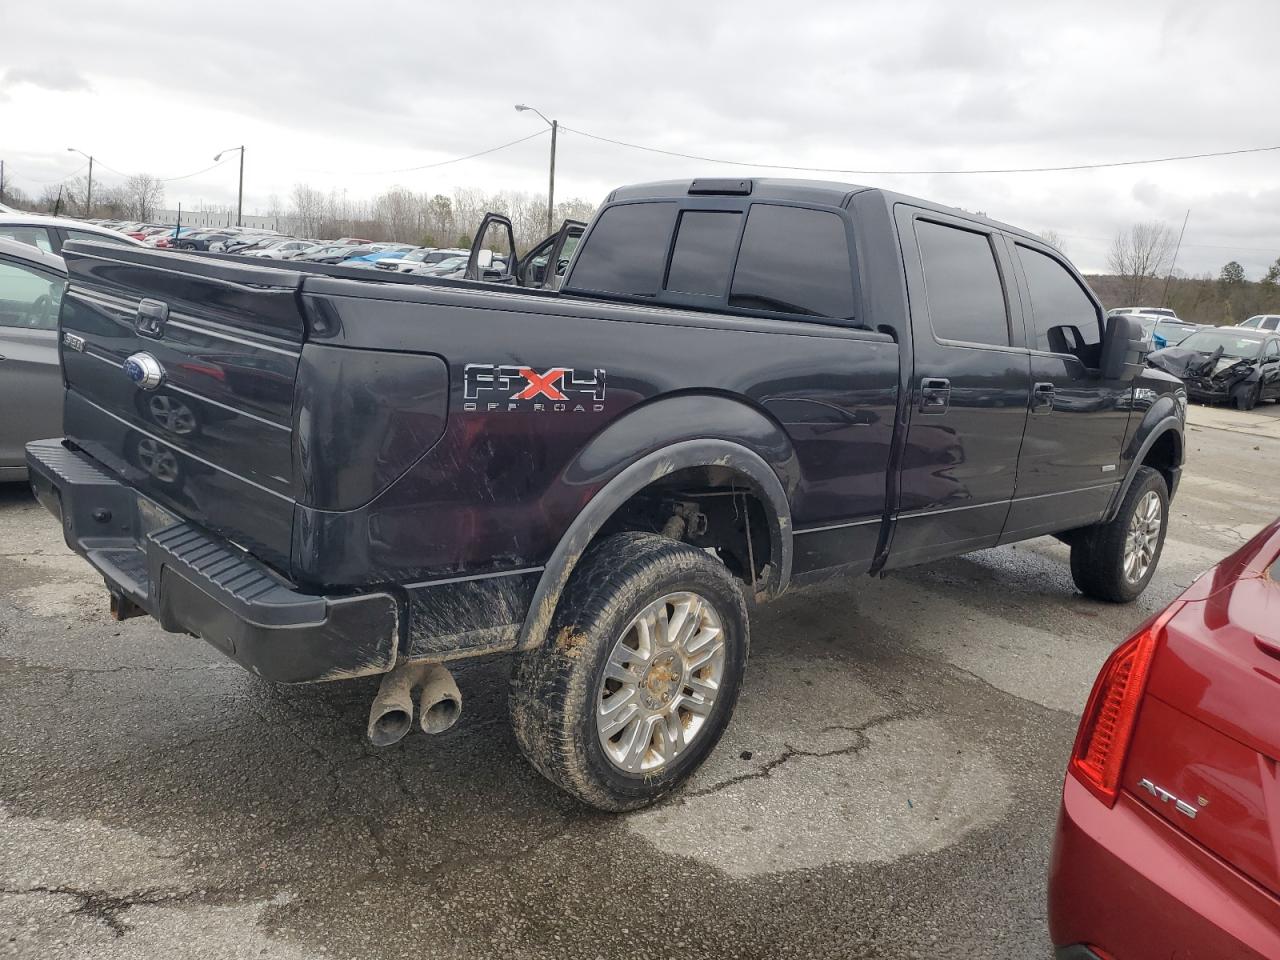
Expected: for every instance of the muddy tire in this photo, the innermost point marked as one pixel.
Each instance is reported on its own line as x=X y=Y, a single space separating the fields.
x=1246 y=397
x=639 y=674
x=1115 y=561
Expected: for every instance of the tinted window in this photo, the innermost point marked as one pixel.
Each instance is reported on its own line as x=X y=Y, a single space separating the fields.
x=1272 y=350
x=34 y=236
x=627 y=251
x=962 y=284
x=703 y=257
x=1271 y=323
x=794 y=261
x=29 y=298
x=98 y=237
x=1065 y=318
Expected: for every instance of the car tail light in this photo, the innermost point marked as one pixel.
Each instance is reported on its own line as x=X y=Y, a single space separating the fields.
x=1107 y=725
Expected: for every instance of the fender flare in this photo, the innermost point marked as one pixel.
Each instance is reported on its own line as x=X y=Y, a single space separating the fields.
x=634 y=478
x=1162 y=427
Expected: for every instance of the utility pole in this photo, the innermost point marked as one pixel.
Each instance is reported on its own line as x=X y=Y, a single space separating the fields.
x=551 y=186
x=88 y=193
x=1164 y=297
x=240 y=192
x=1 y=181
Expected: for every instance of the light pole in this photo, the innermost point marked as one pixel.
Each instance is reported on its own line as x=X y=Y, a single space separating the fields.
x=551 y=188
x=88 y=193
x=240 y=195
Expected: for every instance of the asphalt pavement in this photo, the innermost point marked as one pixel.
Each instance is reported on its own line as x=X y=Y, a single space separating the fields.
x=887 y=789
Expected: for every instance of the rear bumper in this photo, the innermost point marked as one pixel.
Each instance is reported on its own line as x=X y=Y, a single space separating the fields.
x=194 y=582
x=1130 y=885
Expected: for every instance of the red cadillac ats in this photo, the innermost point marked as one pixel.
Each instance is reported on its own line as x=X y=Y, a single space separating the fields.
x=1168 y=841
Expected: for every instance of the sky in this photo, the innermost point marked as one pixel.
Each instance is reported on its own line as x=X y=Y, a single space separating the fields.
x=349 y=96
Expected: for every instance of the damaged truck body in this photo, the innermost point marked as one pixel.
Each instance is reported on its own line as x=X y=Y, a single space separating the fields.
x=739 y=387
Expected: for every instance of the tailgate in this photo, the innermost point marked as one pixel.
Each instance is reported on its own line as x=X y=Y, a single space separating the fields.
x=213 y=439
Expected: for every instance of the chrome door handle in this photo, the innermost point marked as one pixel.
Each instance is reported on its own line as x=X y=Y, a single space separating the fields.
x=935 y=395
x=1042 y=398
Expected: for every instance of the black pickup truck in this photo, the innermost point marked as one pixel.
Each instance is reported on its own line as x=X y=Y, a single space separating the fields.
x=740 y=386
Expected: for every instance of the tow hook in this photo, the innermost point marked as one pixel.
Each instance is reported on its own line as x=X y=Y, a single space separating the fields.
x=122 y=608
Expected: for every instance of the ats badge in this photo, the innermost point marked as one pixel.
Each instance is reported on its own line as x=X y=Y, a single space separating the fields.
x=491 y=387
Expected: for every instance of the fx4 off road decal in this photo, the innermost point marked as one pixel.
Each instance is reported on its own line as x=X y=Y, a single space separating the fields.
x=502 y=387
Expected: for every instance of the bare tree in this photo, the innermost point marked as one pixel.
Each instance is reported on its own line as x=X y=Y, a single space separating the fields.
x=308 y=209
x=143 y=194
x=1054 y=239
x=1139 y=255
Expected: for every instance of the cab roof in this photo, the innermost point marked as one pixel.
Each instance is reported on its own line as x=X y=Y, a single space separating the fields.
x=822 y=192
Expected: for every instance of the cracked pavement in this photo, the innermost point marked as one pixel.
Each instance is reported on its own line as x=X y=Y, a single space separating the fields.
x=887 y=789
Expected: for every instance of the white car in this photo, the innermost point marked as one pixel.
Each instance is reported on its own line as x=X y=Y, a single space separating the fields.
x=1264 y=321
x=281 y=249
x=50 y=233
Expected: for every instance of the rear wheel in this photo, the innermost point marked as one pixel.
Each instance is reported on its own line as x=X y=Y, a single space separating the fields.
x=640 y=673
x=1115 y=561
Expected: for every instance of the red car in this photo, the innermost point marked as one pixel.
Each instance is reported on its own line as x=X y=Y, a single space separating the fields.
x=1168 y=841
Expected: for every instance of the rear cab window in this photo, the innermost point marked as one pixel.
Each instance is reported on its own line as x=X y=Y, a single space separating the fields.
x=761 y=258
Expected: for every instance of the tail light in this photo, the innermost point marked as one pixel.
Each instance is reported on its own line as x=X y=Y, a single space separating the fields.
x=1109 y=717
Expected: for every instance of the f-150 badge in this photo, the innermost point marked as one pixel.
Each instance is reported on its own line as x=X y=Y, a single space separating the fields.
x=490 y=387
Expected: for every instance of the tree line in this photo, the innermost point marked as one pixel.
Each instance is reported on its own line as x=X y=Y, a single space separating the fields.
x=428 y=219
x=1143 y=274
x=397 y=214
x=139 y=197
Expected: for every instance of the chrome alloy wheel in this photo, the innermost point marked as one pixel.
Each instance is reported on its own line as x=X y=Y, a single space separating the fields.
x=1142 y=538
x=660 y=683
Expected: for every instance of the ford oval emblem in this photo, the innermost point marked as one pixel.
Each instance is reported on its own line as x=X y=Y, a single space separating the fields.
x=144 y=370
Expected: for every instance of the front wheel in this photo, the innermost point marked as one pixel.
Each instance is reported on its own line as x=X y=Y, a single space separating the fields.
x=639 y=675
x=1247 y=397
x=1115 y=561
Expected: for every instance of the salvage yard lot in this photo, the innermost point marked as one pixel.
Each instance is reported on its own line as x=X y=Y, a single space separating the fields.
x=887 y=789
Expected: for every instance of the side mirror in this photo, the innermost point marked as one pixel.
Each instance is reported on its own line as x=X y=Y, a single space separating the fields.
x=1124 y=348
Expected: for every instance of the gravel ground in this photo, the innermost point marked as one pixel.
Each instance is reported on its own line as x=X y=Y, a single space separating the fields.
x=887 y=789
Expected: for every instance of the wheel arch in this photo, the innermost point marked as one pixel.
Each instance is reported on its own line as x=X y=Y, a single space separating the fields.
x=742 y=461
x=1161 y=449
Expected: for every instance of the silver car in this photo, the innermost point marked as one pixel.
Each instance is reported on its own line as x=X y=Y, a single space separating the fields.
x=32 y=283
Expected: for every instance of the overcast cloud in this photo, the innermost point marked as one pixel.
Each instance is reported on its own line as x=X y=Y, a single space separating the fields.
x=325 y=92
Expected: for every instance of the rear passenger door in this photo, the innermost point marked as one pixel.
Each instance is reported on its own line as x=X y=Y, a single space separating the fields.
x=969 y=389
x=1069 y=466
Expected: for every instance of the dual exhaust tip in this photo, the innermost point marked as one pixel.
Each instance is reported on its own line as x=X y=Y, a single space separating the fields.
x=438 y=698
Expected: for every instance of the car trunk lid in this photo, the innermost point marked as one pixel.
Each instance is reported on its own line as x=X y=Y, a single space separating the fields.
x=1206 y=750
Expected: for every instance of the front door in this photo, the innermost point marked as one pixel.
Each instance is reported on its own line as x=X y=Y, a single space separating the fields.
x=30 y=379
x=1070 y=464
x=1270 y=372
x=969 y=389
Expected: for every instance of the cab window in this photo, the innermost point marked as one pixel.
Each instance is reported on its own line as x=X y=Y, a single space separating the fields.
x=962 y=285
x=1065 y=317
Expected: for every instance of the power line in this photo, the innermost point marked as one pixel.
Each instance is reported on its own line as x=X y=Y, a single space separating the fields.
x=187 y=176
x=439 y=163
x=887 y=173
x=61 y=179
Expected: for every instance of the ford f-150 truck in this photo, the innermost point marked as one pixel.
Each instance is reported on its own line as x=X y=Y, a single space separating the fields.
x=740 y=386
